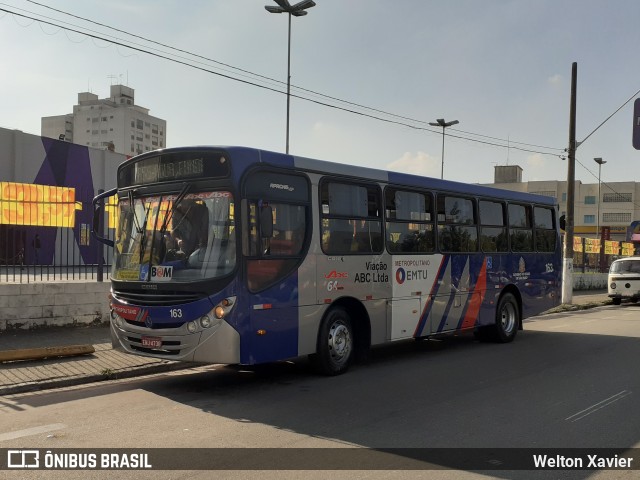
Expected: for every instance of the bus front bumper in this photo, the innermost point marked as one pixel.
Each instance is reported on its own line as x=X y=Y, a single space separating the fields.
x=220 y=344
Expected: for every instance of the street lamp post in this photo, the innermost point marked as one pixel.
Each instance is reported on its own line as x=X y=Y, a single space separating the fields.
x=441 y=123
x=297 y=10
x=600 y=162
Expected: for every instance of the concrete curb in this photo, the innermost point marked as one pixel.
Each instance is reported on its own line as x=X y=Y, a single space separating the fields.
x=572 y=307
x=45 y=352
x=132 y=372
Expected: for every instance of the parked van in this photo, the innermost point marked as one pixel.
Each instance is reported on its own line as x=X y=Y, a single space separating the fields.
x=624 y=280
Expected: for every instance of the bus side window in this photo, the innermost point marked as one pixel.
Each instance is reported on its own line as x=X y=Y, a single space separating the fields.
x=457 y=230
x=520 y=228
x=493 y=230
x=351 y=218
x=545 y=233
x=409 y=221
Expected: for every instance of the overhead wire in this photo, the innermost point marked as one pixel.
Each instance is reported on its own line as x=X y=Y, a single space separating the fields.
x=264 y=77
x=395 y=118
x=164 y=55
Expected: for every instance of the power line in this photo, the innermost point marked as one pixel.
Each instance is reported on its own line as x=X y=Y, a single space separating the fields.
x=609 y=117
x=183 y=61
x=509 y=141
x=225 y=64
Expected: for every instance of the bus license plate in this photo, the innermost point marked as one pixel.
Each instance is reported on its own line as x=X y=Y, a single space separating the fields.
x=152 y=342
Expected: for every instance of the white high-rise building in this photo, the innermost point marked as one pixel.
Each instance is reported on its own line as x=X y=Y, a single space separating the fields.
x=115 y=123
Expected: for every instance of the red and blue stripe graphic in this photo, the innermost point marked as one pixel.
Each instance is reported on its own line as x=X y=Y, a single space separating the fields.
x=452 y=277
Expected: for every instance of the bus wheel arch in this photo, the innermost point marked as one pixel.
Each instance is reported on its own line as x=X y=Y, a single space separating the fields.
x=348 y=319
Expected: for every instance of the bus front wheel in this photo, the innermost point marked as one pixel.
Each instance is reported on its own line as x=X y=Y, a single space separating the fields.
x=335 y=343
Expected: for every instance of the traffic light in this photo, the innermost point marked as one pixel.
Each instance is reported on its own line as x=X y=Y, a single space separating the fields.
x=563 y=221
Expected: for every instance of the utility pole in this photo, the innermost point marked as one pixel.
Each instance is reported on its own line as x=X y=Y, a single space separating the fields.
x=567 y=260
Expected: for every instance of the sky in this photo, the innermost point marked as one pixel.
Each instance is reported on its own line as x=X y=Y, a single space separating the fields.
x=502 y=68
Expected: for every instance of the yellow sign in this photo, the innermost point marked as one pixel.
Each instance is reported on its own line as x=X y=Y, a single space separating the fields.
x=40 y=205
x=592 y=245
x=627 y=249
x=577 y=244
x=129 y=274
x=611 y=247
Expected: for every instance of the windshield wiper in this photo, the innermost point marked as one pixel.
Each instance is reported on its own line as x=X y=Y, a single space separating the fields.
x=136 y=223
x=143 y=234
x=176 y=202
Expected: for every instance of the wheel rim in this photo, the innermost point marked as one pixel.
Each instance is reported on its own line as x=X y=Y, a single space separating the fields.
x=340 y=343
x=508 y=318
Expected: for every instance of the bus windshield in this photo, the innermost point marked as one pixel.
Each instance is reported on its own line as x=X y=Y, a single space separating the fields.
x=179 y=238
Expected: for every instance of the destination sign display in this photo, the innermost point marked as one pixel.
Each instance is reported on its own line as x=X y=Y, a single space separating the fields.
x=173 y=167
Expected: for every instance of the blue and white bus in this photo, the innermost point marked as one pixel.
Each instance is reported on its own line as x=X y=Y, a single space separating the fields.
x=242 y=256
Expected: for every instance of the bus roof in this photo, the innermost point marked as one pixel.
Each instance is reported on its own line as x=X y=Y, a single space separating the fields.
x=244 y=157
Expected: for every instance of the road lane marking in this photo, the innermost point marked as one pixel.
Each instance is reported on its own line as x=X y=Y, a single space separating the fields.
x=594 y=408
x=31 y=431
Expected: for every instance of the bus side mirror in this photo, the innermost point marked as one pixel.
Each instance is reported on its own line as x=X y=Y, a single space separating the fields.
x=266 y=221
x=563 y=221
x=98 y=215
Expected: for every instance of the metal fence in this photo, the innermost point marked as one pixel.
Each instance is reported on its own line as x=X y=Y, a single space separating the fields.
x=31 y=252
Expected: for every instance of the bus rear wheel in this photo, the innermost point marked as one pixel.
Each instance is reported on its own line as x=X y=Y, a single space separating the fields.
x=506 y=325
x=507 y=318
x=335 y=343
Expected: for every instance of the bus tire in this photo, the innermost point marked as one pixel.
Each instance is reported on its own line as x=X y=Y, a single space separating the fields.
x=335 y=346
x=507 y=318
x=616 y=300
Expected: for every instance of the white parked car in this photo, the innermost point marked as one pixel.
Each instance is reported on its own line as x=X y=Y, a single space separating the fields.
x=624 y=280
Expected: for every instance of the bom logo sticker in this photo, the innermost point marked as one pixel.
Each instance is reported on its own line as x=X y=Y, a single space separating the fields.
x=401 y=276
x=161 y=273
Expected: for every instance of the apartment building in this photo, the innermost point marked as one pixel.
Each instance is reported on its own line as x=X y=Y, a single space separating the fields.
x=115 y=123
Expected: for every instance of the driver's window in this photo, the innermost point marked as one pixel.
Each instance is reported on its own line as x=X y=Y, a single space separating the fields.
x=276 y=226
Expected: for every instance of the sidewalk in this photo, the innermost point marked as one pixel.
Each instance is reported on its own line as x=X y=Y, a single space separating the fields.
x=105 y=363
x=586 y=297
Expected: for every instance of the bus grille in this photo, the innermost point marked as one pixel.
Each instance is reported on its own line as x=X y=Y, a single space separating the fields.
x=149 y=299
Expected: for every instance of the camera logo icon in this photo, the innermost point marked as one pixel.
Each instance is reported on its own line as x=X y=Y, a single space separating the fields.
x=23 y=459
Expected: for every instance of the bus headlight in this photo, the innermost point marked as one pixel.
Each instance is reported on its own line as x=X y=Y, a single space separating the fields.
x=205 y=321
x=613 y=285
x=213 y=319
x=117 y=319
x=192 y=327
x=224 y=307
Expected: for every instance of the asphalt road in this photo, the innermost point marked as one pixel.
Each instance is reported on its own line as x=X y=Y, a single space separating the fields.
x=570 y=380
